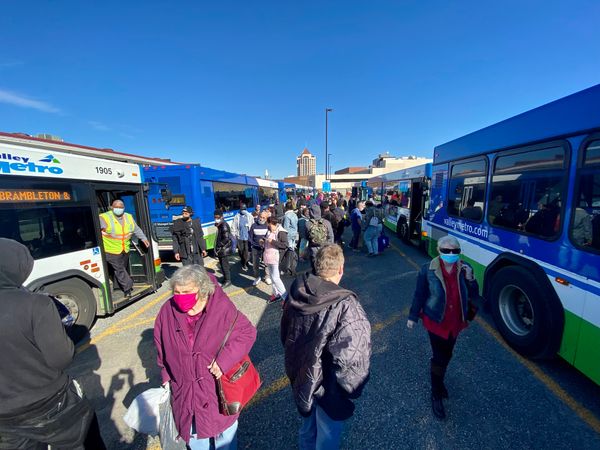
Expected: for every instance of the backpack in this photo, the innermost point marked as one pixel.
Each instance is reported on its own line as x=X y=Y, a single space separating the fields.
x=289 y=261
x=317 y=233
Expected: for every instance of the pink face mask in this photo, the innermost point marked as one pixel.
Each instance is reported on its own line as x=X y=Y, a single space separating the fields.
x=185 y=302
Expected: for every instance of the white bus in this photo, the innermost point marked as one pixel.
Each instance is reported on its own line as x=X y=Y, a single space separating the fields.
x=51 y=202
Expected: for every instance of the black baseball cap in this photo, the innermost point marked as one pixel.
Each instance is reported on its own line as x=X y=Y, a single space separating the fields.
x=188 y=209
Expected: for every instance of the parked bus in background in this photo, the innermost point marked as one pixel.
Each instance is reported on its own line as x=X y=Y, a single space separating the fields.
x=204 y=189
x=523 y=198
x=51 y=202
x=268 y=192
x=405 y=197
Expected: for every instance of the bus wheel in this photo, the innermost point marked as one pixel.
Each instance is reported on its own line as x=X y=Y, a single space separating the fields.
x=528 y=317
x=79 y=299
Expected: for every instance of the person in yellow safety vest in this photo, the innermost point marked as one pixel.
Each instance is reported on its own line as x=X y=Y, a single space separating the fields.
x=117 y=228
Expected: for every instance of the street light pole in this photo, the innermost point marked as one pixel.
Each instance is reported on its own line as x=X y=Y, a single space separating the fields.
x=327 y=110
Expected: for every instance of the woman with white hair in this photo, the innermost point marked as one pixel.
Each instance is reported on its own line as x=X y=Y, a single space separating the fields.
x=442 y=297
x=188 y=332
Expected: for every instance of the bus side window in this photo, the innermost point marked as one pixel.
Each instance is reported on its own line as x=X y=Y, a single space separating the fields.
x=466 y=193
x=585 y=222
x=526 y=189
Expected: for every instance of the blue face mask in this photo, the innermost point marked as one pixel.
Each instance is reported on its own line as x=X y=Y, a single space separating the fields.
x=118 y=211
x=449 y=258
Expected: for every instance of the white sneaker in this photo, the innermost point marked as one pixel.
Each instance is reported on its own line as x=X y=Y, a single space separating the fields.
x=256 y=281
x=268 y=281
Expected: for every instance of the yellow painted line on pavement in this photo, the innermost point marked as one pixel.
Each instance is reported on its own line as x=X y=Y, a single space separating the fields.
x=584 y=414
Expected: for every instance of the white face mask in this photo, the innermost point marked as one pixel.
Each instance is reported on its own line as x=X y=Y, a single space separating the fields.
x=119 y=211
x=218 y=220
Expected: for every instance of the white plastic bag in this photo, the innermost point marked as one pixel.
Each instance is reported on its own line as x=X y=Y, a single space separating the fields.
x=143 y=415
x=169 y=436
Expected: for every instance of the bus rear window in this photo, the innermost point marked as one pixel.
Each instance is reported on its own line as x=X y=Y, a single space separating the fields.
x=526 y=191
x=466 y=194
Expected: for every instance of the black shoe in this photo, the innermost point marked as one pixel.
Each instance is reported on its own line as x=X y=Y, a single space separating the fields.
x=226 y=284
x=437 y=406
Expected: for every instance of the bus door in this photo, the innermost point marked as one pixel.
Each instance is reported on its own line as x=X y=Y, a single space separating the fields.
x=141 y=264
x=417 y=204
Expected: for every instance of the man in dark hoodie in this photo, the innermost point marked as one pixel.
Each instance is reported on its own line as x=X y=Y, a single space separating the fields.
x=327 y=341
x=318 y=232
x=39 y=404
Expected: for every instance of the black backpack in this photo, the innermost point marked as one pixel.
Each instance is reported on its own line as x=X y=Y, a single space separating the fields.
x=289 y=262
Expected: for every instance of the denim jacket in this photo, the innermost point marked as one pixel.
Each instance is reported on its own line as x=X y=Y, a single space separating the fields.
x=430 y=293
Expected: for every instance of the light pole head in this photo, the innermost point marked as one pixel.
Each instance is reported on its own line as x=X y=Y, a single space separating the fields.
x=328 y=109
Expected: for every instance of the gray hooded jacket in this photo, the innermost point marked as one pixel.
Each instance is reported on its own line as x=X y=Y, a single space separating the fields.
x=34 y=346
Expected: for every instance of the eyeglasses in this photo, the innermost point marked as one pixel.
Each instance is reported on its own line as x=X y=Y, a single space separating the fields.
x=454 y=251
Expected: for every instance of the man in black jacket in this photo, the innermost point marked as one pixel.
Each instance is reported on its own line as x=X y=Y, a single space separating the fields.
x=39 y=404
x=223 y=247
x=327 y=341
x=189 y=246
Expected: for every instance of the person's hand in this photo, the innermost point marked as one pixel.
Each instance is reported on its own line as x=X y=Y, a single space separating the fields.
x=468 y=273
x=146 y=243
x=177 y=257
x=410 y=324
x=215 y=370
x=204 y=253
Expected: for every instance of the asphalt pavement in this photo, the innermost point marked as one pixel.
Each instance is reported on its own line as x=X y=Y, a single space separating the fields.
x=497 y=399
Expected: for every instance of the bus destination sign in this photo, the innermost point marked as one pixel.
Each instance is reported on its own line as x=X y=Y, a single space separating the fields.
x=33 y=195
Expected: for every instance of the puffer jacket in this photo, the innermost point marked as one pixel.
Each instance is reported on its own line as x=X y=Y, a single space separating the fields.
x=327 y=341
x=223 y=242
x=430 y=293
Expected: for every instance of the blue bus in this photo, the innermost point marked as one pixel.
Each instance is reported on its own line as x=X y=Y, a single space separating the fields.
x=204 y=189
x=405 y=197
x=523 y=198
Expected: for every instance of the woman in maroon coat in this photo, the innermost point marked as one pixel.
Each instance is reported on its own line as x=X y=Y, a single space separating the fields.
x=188 y=331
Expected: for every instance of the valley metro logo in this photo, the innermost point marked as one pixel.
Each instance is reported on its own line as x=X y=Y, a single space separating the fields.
x=50 y=158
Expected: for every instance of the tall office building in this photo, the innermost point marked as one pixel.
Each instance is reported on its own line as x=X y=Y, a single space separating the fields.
x=306 y=163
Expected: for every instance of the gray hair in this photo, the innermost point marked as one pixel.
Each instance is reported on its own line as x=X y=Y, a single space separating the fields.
x=195 y=275
x=448 y=240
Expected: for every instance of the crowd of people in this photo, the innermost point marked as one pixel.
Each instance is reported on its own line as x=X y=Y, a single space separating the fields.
x=325 y=333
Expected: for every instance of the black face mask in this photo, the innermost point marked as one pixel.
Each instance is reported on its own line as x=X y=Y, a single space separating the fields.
x=187 y=218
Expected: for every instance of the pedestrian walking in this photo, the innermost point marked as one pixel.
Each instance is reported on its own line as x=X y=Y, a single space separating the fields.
x=303 y=218
x=188 y=332
x=223 y=247
x=356 y=224
x=327 y=343
x=373 y=224
x=290 y=224
x=340 y=217
x=445 y=288
x=117 y=228
x=241 y=231
x=276 y=242
x=258 y=232
x=189 y=245
x=40 y=405
x=318 y=233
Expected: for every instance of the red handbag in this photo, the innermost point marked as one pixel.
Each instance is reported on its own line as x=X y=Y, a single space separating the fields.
x=236 y=387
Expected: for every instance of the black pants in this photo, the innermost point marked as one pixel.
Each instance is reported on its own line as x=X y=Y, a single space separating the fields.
x=225 y=270
x=442 y=354
x=256 y=258
x=355 y=237
x=65 y=421
x=243 y=250
x=339 y=231
x=312 y=252
x=120 y=267
x=194 y=258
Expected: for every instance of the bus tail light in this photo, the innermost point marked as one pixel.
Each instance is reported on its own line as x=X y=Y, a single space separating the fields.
x=157 y=262
x=424 y=233
x=562 y=281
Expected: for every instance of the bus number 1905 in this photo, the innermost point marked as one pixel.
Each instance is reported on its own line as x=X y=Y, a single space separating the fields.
x=104 y=170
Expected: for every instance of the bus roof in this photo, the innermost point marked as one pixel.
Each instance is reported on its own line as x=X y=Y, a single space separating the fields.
x=574 y=114
x=198 y=171
x=423 y=170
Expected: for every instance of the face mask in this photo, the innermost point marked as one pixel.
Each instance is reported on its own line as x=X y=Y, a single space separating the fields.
x=218 y=220
x=187 y=218
x=185 y=302
x=118 y=211
x=449 y=258
x=262 y=222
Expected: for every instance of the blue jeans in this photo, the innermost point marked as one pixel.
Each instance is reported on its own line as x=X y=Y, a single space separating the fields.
x=371 y=235
x=319 y=431
x=227 y=440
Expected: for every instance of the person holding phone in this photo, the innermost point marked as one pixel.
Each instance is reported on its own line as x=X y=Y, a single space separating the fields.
x=445 y=288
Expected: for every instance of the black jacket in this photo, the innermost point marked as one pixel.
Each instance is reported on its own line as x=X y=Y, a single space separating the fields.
x=187 y=242
x=34 y=346
x=223 y=242
x=327 y=340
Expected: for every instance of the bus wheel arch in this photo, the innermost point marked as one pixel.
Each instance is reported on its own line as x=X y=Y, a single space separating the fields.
x=527 y=312
x=78 y=297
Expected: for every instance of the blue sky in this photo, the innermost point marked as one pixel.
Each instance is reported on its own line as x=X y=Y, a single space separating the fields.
x=242 y=86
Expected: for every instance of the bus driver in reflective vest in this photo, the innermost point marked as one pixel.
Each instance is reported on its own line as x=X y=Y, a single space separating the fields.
x=117 y=228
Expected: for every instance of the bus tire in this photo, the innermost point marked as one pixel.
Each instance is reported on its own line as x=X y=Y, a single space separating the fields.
x=78 y=298
x=527 y=315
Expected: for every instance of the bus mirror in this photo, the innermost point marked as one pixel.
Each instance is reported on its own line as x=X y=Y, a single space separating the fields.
x=166 y=195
